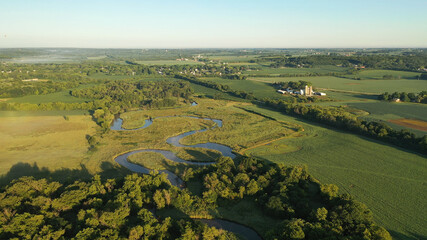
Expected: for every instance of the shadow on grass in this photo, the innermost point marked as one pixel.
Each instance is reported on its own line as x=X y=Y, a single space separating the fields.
x=64 y=175
x=208 y=156
x=409 y=236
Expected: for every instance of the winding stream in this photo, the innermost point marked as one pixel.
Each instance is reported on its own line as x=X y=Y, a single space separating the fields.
x=241 y=230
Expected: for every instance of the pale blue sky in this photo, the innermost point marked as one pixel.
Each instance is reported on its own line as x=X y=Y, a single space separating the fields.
x=210 y=23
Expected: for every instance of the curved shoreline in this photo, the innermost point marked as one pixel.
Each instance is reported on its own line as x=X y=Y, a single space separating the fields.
x=174 y=141
x=121 y=159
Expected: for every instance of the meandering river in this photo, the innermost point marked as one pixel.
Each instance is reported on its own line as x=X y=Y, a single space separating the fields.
x=241 y=230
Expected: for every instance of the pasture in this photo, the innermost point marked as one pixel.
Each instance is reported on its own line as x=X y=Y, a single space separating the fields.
x=169 y=62
x=62 y=96
x=390 y=180
x=48 y=141
x=265 y=70
x=379 y=74
x=362 y=86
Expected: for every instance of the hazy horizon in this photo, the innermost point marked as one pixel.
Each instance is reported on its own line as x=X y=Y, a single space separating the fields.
x=221 y=24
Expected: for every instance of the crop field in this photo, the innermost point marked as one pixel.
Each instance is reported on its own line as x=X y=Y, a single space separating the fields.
x=411 y=123
x=47 y=141
x=169 y=62
x=379 y=74
x=391 y=181
x=232 y=58
x=62 y=96
x=277 y=71
x=363 y=86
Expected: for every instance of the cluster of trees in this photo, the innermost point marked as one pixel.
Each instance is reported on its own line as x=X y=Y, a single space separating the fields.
x=235 y=77
x=393 y=62
x=218 y=86
x=110 y=209
x=292 y=85
x=128 y=94
x=304 y=208
x=405 y=97
x=338 y=118
x=18 y=88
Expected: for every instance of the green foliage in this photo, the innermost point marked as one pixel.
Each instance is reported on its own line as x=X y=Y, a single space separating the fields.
x=39 y=209
x=421 y=97
x=292 y=85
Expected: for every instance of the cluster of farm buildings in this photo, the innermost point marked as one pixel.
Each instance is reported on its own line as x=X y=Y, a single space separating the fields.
x=307 y=91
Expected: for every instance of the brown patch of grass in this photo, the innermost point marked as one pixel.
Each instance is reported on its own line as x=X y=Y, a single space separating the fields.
x=411 y=123
x=48 y=141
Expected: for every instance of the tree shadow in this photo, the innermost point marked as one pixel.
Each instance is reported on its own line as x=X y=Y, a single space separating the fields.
x=64 y=175
x=409 y=236
x=208 y=156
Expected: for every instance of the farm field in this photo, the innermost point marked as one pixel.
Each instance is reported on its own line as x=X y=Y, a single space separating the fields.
x=391 y=181
x=232 y=58
x=62 y=96
x=48 y=141
x=169 y=62
x=363 y=86
x=379 y=74
x=277 y=71
x=387 y=111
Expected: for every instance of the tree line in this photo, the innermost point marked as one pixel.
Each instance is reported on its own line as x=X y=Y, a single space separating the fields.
x=340 y=119
x=292 y=84
x=420 y=97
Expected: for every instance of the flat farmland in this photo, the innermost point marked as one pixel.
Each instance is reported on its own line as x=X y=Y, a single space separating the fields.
x=390 y=180
x=277 y=71
x=48 y=141
x=363 y=86
x=169 y=62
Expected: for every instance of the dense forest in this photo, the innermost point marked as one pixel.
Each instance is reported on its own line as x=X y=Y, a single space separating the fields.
x=137 y=93
x=126 y=207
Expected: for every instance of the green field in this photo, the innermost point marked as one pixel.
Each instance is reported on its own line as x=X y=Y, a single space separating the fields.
x=391 y=181
x=277 y=71
x=169 y=62
x=232 y=58
x=62 y=96
x=365 y=86
x=49 y=141
x=378 y=74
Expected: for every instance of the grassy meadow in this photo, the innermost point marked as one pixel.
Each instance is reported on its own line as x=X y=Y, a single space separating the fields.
x=265 y=70
x=169 y=62
x=48 y=141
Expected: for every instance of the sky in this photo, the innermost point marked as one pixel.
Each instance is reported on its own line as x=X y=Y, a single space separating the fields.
x=213 y=23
